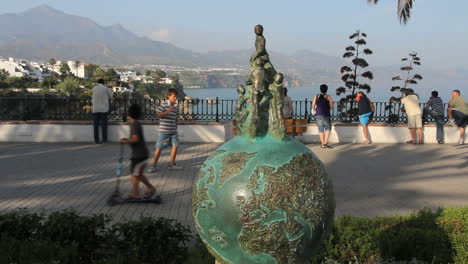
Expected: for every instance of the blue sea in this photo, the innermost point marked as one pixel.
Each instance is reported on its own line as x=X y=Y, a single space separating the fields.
x=302 y=93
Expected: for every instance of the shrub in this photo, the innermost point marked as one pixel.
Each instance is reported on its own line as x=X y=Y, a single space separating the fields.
x=66 y=237
x=423 y=237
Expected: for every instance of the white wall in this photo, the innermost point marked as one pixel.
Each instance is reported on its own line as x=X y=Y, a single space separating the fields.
x=24 y=132
x=379 y=134
x=208 y=132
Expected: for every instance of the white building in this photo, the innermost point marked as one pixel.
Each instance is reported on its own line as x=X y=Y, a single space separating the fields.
x=121 y=89
x=166 y=80
x=21 y=68
x=77 y=70
x=127 y=76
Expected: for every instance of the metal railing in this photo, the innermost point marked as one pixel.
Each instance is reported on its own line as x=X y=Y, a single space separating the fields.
x=219 y=110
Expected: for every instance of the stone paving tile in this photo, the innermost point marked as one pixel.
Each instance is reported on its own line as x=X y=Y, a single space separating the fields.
x=369 y=180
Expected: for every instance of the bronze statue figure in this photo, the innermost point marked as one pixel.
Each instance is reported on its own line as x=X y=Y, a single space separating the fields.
x=264 y=90
x=276 y=121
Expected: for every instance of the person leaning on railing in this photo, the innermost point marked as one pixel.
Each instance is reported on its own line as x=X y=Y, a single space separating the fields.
x=365 y=110
x=322 y=104
x=414 y=114
x=100 y=100
x=435 y=108
x=288 y=111
x=458 y=113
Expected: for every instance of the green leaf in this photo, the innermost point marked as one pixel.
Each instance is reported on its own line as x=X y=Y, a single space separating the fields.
x=360 y=62
x=417 y=76
x=395 y=88
x=365 y=87
x=348 y=54
x=340 y=90
x=360 y=42
x=345 y=69
x=353 y=35
x=368 y=51
x=368 y=75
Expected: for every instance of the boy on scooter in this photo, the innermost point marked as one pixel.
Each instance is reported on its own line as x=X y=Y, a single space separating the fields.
x=139 y=156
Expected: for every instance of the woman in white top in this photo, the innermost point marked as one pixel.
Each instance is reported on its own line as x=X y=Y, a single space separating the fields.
x=287 y=105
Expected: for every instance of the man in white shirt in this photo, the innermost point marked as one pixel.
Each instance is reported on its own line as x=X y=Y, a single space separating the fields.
x=413 y=112
x=101 y=96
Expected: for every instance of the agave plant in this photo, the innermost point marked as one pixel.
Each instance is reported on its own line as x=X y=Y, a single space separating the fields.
x=408 y=80
x=404 y=9
x=353 y=76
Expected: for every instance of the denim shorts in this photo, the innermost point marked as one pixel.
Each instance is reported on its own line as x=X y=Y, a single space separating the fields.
x=163 y=140
x=323 y=123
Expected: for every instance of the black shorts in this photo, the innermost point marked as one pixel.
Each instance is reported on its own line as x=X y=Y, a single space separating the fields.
x=138 y=165
x=461 y=120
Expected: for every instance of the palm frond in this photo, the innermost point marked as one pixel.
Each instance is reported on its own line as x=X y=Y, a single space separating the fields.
x=404 y=10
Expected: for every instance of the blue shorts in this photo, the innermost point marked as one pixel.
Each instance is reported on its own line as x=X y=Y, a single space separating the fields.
x=323 y=123
x=163 y=140
x=365 y=118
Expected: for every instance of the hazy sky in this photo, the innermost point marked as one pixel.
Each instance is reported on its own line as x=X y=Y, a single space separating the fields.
x=438 y=31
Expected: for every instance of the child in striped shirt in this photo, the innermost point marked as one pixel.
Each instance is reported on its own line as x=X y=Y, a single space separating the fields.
x=167 y=113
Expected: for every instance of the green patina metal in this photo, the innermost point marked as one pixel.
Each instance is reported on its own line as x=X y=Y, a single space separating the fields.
x=262 y=197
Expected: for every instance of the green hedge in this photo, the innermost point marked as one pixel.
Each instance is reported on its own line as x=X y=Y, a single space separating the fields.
x=66 y=237
x=423 y=237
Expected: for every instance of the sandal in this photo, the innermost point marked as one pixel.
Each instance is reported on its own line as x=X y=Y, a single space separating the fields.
x=411 y=142
x=149 y=194
x=323 y=146
x=421 y=142
x=366 y=142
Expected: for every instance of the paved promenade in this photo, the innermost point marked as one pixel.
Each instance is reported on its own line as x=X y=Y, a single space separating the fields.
x=369 y=180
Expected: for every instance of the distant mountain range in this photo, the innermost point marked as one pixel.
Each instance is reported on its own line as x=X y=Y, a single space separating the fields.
x=42 y=33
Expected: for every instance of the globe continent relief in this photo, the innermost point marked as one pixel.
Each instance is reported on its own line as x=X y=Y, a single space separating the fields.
x=262 y=201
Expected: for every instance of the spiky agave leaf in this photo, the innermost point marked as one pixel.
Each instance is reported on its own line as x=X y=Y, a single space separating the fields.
x=348 y=54
x=345 y=69
x=368 y=75
x=405 y=90
x=360 y=42
x=368 y=51
x=340 y=90
x=347 y=76
x=395 y=88
x=360 y=62
x=351 y=84
x=354 y=35
x=365 y=87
